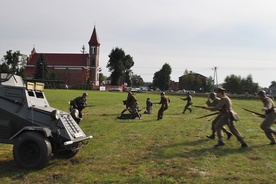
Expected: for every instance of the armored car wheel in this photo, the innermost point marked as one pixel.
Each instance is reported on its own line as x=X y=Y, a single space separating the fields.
x=32 y=151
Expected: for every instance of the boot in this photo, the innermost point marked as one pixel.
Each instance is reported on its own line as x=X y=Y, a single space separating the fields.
x=229 y=135
x=212 y=136
x=244 y=145
x=220 y=143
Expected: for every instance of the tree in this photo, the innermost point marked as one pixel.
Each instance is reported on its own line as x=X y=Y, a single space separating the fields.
x=14 y=62
x=247 y=85
x=232 y=84
x=119 y=65
x=137 y=81
x=41 y=71
x=272 y=83
x=161 y=78
x=237 y=85
x=102 y=78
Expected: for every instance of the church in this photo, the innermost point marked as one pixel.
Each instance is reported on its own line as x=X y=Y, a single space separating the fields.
x=70 y=68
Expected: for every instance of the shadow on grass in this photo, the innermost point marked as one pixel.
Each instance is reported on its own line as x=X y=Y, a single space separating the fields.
x=9 y=169
x=198 y=148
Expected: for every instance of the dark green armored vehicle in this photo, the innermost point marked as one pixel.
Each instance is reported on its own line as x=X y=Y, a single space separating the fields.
x=36 y=130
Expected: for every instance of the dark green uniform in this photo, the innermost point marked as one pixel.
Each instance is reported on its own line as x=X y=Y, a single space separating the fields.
x=148 y=106
x=129 y=102
x=79 y=103
x=189 y=102
x=164 y=105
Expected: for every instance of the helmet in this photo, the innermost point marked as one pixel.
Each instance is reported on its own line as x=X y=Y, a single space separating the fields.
x=262 y=93
x=213 y=95
x=84 y=94
x=162 y=93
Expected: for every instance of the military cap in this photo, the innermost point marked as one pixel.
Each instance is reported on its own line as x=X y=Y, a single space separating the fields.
x=219 y=90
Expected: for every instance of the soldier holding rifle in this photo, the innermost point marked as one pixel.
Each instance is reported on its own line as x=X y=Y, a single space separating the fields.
x=189 y=102
x=270 y=116
x=227 y=116
x=129 y=102
x=164 y=101
x=212 y=101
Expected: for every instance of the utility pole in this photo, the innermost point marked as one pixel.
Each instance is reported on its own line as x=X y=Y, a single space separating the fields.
x=215 y=76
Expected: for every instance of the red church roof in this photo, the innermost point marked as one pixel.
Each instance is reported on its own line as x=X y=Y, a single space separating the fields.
x=61 y=59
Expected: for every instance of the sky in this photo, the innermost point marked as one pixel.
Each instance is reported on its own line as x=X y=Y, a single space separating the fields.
x=234 y=36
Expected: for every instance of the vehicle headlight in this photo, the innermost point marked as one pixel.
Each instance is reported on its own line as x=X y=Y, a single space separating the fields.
x=55 y=115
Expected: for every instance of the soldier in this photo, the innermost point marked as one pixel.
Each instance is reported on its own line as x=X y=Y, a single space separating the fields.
x=227 y=116
x=129 y=102
x=148 y=106
x=269 y=109
x=79 y=104
x=189 y=102
x=212 y=101
x=164 y=101
x=131 y=106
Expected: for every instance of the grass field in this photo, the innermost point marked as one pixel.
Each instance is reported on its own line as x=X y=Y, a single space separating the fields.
x=173 y=150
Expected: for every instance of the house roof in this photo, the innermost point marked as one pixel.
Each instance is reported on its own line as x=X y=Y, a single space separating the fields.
x=272 y=86
x=61 y=59
x=192 y=73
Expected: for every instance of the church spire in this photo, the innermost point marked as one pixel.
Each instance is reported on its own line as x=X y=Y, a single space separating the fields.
x=94 y=41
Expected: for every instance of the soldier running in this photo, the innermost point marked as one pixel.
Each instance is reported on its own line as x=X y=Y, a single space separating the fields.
x=212 y=101
x=270 y=118
x=164 y=101
x=189 y=102
x=227 y=116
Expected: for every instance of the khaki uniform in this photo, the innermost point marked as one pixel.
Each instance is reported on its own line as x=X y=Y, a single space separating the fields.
x=227 y=117
x=213 y=103
x=269 y=119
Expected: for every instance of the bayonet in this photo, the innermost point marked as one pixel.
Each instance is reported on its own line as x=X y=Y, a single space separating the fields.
x=207 y=115
x=255 y=113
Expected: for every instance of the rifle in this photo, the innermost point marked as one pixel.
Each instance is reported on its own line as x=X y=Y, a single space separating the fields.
x=207 y=115
x=141 y=109
x=256 y=113
x=199 y=106
x=155 y=103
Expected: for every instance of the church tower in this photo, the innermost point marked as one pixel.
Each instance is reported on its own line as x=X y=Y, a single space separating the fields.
x=93 y=61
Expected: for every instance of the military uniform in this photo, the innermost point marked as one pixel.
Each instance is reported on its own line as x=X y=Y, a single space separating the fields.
x=269 y=108
x=131 y=106
x=227 y=117
x=189 y=102
x=129 y=102
x=214 y=102
x=164 y=105
x=76 y=107
x=148 y=106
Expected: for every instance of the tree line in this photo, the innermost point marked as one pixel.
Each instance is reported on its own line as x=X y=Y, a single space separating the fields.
x=120 y=64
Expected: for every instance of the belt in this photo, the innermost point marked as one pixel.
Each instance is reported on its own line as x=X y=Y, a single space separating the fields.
x=269 y=110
